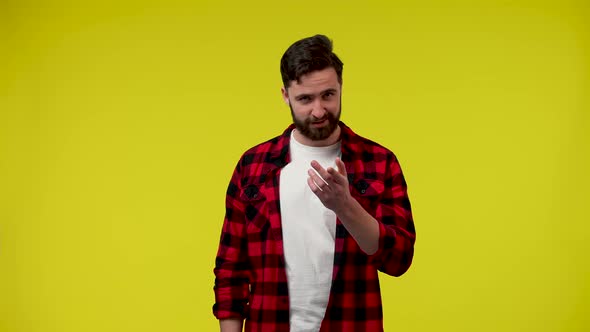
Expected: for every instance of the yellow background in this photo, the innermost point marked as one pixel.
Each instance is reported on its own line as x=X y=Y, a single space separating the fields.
x=120 y=124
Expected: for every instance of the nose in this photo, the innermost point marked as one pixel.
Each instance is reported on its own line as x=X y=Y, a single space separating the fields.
x=318 y=111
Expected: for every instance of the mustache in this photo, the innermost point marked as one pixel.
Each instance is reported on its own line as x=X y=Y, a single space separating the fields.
x=314 y=119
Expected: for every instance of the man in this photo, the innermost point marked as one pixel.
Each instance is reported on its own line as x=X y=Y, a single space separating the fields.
x=312 y=215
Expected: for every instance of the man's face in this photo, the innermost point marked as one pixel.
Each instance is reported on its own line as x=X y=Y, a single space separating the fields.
x=315 y=103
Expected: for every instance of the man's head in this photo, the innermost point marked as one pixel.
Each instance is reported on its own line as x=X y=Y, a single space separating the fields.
x=307 y=55
x=312 y=86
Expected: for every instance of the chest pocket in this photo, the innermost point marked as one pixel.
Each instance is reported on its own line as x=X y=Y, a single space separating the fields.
x=255 y=204
x=368 y=192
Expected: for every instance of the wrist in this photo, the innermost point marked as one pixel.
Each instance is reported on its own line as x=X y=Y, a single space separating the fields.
x=230 y=325
x=347 y=209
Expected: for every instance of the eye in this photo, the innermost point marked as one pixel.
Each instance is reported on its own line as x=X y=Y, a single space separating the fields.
x=304 y=99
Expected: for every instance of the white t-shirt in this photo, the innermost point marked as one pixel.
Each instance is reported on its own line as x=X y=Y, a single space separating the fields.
x=308 y=236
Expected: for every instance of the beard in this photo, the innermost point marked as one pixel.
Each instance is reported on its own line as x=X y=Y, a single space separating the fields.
x=316 y=134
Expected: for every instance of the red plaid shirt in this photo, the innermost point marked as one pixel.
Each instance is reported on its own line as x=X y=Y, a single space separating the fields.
x=251 y=280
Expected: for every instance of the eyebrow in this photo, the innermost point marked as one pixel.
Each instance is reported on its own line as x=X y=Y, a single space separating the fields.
x=303 y=95
x=328 y=90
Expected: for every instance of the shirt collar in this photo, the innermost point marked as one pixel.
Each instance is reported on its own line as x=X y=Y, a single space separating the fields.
x=280 y=156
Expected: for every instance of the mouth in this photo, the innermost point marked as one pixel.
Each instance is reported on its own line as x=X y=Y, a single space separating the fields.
x=319 y=123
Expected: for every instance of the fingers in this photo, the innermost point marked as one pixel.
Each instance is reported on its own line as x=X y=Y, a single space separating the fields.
x=341 y=167
x=321 y=171
x=313 y=186
x=335 y=176
x=317 y=181
x=330 y=175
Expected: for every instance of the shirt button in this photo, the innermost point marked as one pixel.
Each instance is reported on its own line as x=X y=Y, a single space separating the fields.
x=363 y=191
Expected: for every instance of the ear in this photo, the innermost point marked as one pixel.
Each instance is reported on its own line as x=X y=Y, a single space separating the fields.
x=285 y=95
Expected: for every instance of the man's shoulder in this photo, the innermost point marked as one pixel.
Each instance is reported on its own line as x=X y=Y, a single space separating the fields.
x=370 y=143
x=265 y=152
x=268 y=146
x=265 y=146
x=363 y=145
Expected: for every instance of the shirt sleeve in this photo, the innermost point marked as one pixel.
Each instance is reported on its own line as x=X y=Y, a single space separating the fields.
x=231 y=265
x=397 y=234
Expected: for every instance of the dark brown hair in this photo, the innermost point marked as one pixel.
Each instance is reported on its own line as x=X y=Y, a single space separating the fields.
x=307 y=55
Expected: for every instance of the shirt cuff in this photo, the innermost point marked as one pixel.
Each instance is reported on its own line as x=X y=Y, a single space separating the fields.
x=376 y=258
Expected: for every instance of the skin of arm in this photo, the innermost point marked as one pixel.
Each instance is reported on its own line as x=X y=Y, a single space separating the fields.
x=230 y=325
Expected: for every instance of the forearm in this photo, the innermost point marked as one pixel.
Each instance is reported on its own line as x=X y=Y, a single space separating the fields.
x=230 y=325
x=361 y=225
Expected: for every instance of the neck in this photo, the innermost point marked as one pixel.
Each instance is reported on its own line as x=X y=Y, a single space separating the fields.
x=332 y=139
